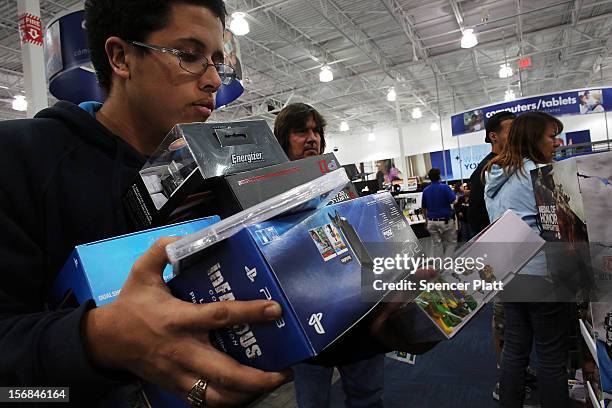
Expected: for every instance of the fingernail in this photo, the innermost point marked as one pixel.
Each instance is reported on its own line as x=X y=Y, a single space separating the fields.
x=273 y=310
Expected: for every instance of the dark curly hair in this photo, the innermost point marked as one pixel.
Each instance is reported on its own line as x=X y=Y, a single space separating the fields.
x=130 y=20
x=295 y=116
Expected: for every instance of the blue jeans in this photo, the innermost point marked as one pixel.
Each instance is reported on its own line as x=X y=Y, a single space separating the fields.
x=548 y=324
x=362 y=383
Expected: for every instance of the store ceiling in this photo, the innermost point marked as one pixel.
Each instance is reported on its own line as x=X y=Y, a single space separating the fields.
x=372 y=45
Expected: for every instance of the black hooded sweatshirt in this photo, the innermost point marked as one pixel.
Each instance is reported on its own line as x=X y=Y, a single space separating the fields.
x=61 y=185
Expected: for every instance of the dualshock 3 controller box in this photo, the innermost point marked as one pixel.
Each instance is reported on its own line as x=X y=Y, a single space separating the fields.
x=99 y=269
x=177 y=182
x=310 y=262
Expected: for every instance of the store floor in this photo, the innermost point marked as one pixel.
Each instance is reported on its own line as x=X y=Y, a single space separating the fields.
x=457 y=373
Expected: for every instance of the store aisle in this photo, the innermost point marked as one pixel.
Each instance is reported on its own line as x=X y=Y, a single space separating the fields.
x=457 y=373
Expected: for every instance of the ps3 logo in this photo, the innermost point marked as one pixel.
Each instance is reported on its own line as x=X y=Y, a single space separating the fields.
x=280 y=323
x=315 y=321
x=251 y=273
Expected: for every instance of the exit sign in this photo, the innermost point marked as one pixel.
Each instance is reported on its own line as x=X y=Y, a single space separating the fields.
x=524 y=62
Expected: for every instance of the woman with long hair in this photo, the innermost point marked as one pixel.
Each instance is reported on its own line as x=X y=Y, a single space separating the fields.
x=531 y=142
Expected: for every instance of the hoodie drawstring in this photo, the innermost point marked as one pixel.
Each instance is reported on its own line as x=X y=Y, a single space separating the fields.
x=117 y=176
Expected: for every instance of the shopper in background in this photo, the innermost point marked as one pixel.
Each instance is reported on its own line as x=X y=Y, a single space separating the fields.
x=462 y=210
x=70 y=166
x=437 y=200
x=496 y=133
x=300 y=129
x=531 y=141
x=497 y=128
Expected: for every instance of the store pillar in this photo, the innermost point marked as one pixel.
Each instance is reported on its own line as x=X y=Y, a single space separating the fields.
x=30 y=30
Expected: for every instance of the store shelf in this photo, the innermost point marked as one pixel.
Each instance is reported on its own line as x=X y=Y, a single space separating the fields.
x=596 y=403
x=588 y=339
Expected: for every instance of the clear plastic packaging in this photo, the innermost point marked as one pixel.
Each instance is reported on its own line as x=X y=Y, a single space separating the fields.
x=316 y=193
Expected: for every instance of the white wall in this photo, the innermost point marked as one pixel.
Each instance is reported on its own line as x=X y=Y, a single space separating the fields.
x=354 y=147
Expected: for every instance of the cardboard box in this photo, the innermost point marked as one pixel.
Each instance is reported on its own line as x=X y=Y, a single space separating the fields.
x=574 y=200
x=99 y=269
x=498 y=252
x=310 y=262
x=175 y=184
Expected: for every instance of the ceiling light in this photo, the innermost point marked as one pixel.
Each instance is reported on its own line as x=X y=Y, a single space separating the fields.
x=416 y=113
x=505 y=71
x=469 y=39
x=371 y=137
x=391 y=95
x=344 y=127
x=326 y=74
x=239 y=25
x=19 y=103
x=509 y=95
x=434 y=126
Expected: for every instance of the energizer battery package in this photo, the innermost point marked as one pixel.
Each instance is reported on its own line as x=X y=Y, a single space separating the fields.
x=311 y=260
x=176 y=183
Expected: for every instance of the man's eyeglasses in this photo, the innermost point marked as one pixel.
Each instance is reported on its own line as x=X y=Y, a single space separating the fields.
x=194 y=63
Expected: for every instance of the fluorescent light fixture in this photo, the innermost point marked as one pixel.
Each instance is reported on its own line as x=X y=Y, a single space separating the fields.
x=509 y=95
x=434 y=126
x=344 y=126
x=391 y=95
x=239 y=25
x=326 y=74
x=468 y=40
x=416 y=113
x=505 y=71
x=19 y=103
x=371 y=137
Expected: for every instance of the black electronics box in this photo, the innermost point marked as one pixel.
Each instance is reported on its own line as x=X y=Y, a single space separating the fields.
x=179 y=181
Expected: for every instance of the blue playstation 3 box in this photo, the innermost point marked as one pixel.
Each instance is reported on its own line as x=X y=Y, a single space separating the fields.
x=99 y=269
x=311 y=262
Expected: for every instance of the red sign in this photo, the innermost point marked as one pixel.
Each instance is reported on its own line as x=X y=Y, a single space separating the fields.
x=524 y=62
x=30 y=28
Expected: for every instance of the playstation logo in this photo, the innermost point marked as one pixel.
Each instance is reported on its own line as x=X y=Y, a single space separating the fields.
x=315 y=321
x=251 y=273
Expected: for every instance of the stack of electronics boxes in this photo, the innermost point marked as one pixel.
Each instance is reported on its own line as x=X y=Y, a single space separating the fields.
x=203 y=169
x=198 y=170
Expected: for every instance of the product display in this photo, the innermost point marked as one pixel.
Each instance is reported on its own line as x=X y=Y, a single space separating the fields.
x=574 y=199
x=247 y=257
x=176 y=183
x=98 y=270
x=602 y=331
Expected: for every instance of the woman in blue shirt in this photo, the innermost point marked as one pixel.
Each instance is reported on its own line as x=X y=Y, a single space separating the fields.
x=531 y=141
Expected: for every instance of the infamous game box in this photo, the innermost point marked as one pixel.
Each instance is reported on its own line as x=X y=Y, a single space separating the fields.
x=311 y=262
x=176 y=182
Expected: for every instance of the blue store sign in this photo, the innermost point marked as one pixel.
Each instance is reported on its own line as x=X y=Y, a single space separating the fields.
x=579 y=102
